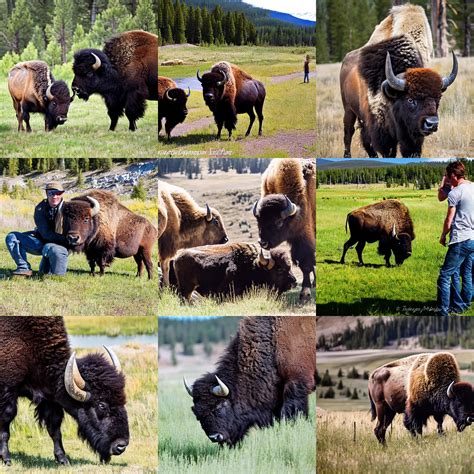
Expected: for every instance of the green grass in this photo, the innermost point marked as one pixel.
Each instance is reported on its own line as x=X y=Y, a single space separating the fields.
x=374 y=289
x=109 y=326
x=184 y=447
x=85 y=134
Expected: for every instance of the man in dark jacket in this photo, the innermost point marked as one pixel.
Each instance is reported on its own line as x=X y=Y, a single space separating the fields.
x=46 y=240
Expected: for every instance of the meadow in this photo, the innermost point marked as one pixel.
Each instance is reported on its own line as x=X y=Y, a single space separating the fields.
x=456 y=114
x=289 y=110
x=374 y=289
x=345 y=438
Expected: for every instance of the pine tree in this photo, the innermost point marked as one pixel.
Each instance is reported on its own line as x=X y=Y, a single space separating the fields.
x=145 y=18
x=322 y=52
x=20 y=27
x=197 y=26
x=114 y=19
x=52 y=55
x=179 y=27
x=39 y=39
x=230 y=28
x=29 y=53
x=62 y=27
x=207 y=33
x=139 y=191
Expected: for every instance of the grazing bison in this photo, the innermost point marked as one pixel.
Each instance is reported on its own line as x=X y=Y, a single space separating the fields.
x=387 y=222
x=230 y=269
x=97 y=224
x=266 y=373
x=420 y=386
x=228 y=91
x=34 y=89
x=125 y=74
x=36 y=363
x=387 y=87
x=287 y=212
x=171 y=104
x=183 y=224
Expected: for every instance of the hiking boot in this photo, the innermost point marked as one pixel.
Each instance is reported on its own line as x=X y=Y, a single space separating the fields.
x=22 y=272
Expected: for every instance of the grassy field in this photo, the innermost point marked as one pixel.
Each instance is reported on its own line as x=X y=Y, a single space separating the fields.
x=85 y=134
x=344 y=426
x=289 y=110
x=118 y=293
x=374 y=289
x=110 y=326
x=454 y=138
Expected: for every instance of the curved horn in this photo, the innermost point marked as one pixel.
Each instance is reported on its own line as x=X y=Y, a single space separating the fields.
x=168 y=97
x=49 y=94
x=220 y=83
x=262 y=259
x=97 y=63
x=220 y=390
x=254 y=210
x=208 y=213
x=189 y=388
x=394 y=231
x=447 y=81
x=393 y=81
x=199 y=78
x=115 y=360
x=74 y=382
x=95 y=206
x=189 y=92
x=450 y=392
x=290 y=209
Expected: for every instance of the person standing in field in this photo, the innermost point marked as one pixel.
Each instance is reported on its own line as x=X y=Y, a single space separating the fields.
x=459 y=223
x=306 y=69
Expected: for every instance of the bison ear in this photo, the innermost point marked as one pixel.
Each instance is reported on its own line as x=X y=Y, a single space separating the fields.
x=389 y=92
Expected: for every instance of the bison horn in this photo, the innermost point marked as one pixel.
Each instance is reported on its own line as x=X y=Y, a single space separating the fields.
x=394 y=231
x=49 y=94
x=224 y=80
x=393 y=81
x=189 y=388
x=208 y=213
x=74 y=382
x=254 y=210
x=115 y=360
x=189 y=92
x=220 y=390
x=168 y=96
x=97 y=63
x=290 y=209
x=265 y=260
x=447 y=81
x=199 y=78
x=450 y=392
x=95 y=206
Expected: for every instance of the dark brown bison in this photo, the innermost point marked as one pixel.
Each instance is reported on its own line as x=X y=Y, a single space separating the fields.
x=388 y=89
x=34 y=89
x=228 y=91
x=171 y=104
x=420 y=386
x=183 y=224
x=97 y=224
x=230 y=269
x=37 y=363
x=287 y=212
x=266 y=373
x=387 y=222
x=125 y=74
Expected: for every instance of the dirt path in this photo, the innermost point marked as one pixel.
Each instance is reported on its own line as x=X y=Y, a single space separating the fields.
x=287 y=77
x=296 y=144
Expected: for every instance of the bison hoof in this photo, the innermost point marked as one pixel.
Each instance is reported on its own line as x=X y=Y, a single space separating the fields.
x=62 y=459
x=305 y=295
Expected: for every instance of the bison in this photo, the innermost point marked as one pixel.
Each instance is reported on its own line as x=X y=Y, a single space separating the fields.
x=286 y=211
x=228 y=91
x=37 y=363
x=171 y=104
x=230 y=268
x=388 y=89
x=387 y=222
x=420 y=386
x=33 y=89
x=97 y=224
x=125 y=74
x=183 y=224
x=266 y=373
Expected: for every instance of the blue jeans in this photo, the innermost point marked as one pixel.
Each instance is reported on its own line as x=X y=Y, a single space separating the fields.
x=54 y=259
x=306 y=77
x=457 y=263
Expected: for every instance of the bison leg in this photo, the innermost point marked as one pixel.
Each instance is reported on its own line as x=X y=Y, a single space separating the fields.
x=439 y=420
x=51 y=415
x=295 y=400
x=252 y=120
x=147 y=258
x=26 y=115
x=165 y=270
x=385 y=417
x=359 y=249
x=19 y=115
x=220 y=124
x=8 y=410
x=92 y=266
x=135 y=108
x=259 y=110
x=366 y=142
x=349 y=129
x=347 y=246
x=138 y=258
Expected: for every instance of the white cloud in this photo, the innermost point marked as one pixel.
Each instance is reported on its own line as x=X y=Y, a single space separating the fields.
x=301 y=8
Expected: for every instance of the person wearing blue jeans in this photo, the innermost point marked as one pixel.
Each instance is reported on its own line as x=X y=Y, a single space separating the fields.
x=459 y=223
x=46 y=240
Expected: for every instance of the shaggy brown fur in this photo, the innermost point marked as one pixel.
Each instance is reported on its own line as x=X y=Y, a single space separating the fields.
x=423 y=83
x=236 y=76
x=165 y=83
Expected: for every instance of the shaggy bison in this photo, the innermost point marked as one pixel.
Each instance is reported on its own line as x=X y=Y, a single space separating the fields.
x=266 y=373
x=97 y=224
x=171 y=104
x=37 y=363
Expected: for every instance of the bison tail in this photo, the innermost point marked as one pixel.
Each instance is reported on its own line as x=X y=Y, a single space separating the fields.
x=372 y=408
x=347 y=220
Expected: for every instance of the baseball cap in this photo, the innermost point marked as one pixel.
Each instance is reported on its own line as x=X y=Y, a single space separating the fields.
x=54 y=186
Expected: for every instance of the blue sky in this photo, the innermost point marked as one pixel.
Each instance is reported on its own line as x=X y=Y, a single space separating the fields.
x=400 y=161
x=301 y=8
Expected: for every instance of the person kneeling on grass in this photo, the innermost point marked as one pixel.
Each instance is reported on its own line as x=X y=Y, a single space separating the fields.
x=45 y=240
x=459 y=223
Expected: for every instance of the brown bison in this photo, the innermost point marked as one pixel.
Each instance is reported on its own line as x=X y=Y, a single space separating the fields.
x=230 y=269
x=34 y=89
x=287 y=212
x=228 y=91
x=171 y=104
x=97 y=224
x=183 y=224
x=387 y=88
x=266 y=373
x=387 y=222
x=125 y=74
x=37 y=363
x=420 y=386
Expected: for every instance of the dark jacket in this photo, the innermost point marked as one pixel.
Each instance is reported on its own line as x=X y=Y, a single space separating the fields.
x=46 y=224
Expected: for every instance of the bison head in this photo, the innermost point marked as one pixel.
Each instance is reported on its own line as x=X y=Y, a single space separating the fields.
x=212 y=86
x=96 y=390
x=80 y=221
x=274 y=213
x=461 y=403
x=91 y=69
x=174 y=104
x=400 y=245
x=416 y=94
x=57 y=101
x=210 y=229
x=277 y=266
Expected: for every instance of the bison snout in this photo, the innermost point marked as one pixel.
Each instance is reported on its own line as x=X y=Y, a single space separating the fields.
x=216 y=438
x=470 y=419
x=61 y=119
x=224 y=239
x=430 y=124
x=73 y=239
x=118 y=447
x=264 y=244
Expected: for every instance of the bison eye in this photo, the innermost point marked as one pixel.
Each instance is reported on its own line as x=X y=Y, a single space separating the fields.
x=86 y=220
x=215 y=222
x=412 y=102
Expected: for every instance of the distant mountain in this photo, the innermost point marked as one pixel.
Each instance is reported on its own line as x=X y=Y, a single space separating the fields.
x=287 y=18
x=351 y=163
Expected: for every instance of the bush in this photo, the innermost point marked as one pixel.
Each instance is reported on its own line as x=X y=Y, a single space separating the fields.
x=353 y=374
x=355 y=396
x=139 y=191
x=340 y=385
x=326 y=380
x=330 y=393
